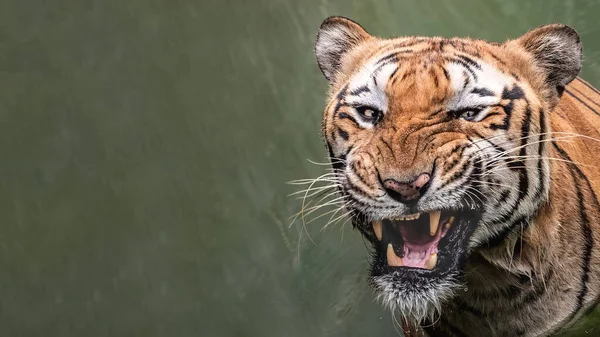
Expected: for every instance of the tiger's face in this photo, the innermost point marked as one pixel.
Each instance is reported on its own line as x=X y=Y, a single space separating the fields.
x=438 y=147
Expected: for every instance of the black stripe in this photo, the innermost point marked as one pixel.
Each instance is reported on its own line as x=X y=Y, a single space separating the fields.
x=497 y=59
x=460 y=171
x=498 y=148
x=340 y=97
x=410 y=72
x=495 y=127
x=408 y=43
x=587 y=85
x=359 y=90
x=388 y=145
x=446 y=73
x=356 y=173
x=342 y=93
x=470 y=61
x=460 y=149
x=465 y=65
x=525 y=127
x=504 y=196
x=491 y=114
x=499 y=238
x=343 y=115
x=477 y=171
x=483 y=92
x=587 y=253
x=515 y=93
x=586 y=97
x=336 y=163
x=581 y=101
x=434 y=74
x=343 y=134
x=586 y=229
x=393 y=57
x=393 y=74
x=516 y=165
x=466 y=81
x=541 y=147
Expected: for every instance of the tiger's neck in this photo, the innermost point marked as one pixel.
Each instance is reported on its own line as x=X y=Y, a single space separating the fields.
x=546 y=273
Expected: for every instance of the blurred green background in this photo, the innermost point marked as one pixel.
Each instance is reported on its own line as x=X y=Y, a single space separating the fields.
x=146 y=147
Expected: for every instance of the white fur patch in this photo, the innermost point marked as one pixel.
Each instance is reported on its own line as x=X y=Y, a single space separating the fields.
x=370 y=84
x=488 y=78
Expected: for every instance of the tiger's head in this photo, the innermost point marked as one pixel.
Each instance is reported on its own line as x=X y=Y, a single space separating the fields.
x=438 y=146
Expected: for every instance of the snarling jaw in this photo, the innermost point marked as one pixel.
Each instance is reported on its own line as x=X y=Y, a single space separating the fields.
x=438 y=147
x=412 y=241
x=418 y=259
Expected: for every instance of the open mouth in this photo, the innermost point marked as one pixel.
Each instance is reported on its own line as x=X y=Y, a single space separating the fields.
x=414 y=240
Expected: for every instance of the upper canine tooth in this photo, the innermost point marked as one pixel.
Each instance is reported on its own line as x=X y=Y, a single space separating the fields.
x=377 y=229
x=392 y=259
x=434 y=220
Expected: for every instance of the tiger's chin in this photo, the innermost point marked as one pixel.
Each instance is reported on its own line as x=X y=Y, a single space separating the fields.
x=418 y=259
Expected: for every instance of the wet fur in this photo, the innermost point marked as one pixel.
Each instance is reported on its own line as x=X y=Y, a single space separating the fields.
x=530 y=276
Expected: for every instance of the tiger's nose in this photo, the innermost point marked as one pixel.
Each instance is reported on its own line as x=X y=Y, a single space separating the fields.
x=405 y=192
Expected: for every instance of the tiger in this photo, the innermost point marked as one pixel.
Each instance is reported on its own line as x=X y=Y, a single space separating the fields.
x=471 y=169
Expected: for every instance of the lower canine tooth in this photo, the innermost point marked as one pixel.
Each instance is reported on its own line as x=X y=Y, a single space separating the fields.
x=430 y=264
x=377 y=229
x=434 y=220
x=392 y=259
x=449 y=223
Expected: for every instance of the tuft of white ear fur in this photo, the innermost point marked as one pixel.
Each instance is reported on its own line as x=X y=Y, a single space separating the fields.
x=336 y=36
x=557 y=50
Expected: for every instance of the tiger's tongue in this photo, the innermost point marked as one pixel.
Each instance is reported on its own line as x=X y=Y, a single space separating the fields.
x=420 y=244
x=418 y=256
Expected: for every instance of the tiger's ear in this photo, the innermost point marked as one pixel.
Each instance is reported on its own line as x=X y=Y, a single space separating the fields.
x=557 y=50
x=336 y=36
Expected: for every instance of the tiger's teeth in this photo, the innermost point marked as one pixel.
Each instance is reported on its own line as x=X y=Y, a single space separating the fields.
x=377 y=229
x=392 y=259
x=449 y=223
x=407 y=217
x=430 y=264
x=434 y=221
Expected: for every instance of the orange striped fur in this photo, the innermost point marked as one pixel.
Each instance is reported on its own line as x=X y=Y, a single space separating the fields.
x=507 y=140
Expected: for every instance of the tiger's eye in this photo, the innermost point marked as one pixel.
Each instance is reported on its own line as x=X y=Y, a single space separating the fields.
x=468 y=114
x=369 y=113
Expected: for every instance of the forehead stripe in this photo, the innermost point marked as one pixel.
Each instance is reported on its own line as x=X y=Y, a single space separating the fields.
x=393 y=57
x=483 y=92
x=359 y=90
